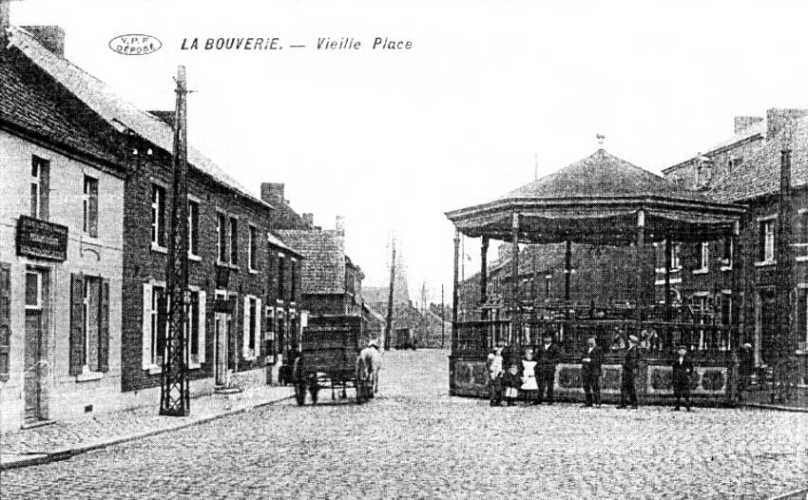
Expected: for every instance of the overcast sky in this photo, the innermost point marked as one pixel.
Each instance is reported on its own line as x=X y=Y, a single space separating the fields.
x=391 y=140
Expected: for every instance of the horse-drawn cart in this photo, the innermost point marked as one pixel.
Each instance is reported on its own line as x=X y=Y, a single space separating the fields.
x=329 y=350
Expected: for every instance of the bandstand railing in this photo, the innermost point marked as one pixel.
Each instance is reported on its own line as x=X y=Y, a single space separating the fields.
x=705 y=337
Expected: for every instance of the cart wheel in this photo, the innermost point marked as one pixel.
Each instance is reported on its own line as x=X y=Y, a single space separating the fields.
x=361 y=392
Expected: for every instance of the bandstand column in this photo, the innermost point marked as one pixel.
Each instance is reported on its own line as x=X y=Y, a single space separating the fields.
x=484 y=271
x=516 y=338
x=567 y=271
x=640 y=244
x=455 y=294
x=668 y=258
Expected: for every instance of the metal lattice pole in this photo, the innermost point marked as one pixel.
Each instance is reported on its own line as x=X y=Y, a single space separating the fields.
x=175 y=394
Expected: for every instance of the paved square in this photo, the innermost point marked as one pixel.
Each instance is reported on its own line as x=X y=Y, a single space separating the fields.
x=416 y=442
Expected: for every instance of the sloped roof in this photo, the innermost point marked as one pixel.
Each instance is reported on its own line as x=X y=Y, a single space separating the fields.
x=603 y=175
x=26 y=102
x=323 y=267
x=279 y=243
x=759 y=175
x=119 y=113
x=755 y=130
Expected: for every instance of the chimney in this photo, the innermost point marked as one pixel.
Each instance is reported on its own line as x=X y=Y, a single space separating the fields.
x=272 y=193
x=339 y=224
x=51 y=37
x=5 y=22
x=744 y=122
x=308 y=220
x=776 y=119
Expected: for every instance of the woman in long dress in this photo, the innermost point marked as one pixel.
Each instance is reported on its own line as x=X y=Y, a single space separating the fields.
x=529 y=386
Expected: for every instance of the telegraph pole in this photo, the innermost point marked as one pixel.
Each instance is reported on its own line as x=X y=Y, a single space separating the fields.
x=389 y=326
x=175 y=394
x=442 y=319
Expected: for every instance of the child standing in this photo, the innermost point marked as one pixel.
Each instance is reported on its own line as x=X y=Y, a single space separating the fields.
x=512 y=381
x=495 y=376
x=529 y=377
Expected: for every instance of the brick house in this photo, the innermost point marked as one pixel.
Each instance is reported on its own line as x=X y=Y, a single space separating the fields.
x=61 y=238
x=229 y=255
x=747 y=169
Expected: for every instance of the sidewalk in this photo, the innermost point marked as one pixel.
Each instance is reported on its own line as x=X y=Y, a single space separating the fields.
x=763 y=399
x=64 y=439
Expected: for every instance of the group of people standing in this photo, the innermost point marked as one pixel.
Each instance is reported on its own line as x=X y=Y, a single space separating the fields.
x=533 y=376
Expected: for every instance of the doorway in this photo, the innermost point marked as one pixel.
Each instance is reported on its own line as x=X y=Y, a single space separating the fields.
x=766 y=327
x=35 y=360
x=222 y=329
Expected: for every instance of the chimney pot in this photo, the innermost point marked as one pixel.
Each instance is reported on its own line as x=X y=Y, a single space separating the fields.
x=339 y=224
x=777 y=118
x=308 y=219
x=5 y=22
x=51 y=37
x=744 y=122
x=272 y=192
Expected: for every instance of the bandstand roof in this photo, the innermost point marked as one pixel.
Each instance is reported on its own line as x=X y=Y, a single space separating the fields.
x=598 y=200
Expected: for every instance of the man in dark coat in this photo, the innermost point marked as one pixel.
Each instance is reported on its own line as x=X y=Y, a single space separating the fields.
x=590 y=372
x=631 y=361
x=682 y=373
x=547 y=356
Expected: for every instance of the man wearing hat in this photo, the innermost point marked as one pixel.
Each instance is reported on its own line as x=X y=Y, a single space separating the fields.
x=546 y=360
x=682 y=372
x=590 y=371
x=631 y=361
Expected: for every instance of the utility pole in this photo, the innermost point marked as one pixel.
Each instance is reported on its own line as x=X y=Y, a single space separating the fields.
x=389 y=327
x=784 y=347
x=175 y=394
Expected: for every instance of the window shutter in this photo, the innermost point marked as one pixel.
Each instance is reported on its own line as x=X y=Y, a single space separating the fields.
x=5 y=320
x=202 y=323
x=259 y=327
x=762 y=241
x=245 y=333
x=147 y=304
x=103 y=343
x=76 y=323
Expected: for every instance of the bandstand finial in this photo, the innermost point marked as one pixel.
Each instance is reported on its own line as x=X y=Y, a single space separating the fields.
x=601 y=139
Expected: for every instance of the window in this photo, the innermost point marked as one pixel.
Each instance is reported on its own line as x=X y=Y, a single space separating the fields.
x=90 y=205
x=727 y=251
x=193 y=228
x=233 y=241
x=703 y=256
x=221 y=236
x=675 y=249
x=158 y=338
x=802 y=317
x=293 y=280
x=40 y=177
x=281 y=275
x=733 y=163
x=92 y=323
x=195 y=328
x=158 y=216
x=253 y=248
x=766 y=241
x=251 y=346
x=5 y=320
x=33 y=289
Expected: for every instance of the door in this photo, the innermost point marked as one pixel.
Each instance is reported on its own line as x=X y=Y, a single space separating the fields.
x=221 y=343
x=768 y=326
x=34 y=360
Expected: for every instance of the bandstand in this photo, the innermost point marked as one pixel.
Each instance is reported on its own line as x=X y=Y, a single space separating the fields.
x=607 y=202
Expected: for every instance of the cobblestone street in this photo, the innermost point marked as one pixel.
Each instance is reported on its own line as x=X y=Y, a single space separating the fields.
x=415 y=441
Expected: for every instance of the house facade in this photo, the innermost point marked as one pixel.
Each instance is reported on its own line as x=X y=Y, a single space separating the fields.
x=61 y=251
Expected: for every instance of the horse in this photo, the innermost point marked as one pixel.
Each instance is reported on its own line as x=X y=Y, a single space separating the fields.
x=368 y=364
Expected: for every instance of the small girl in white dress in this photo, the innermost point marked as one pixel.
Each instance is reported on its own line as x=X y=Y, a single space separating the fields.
x=529 y=375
